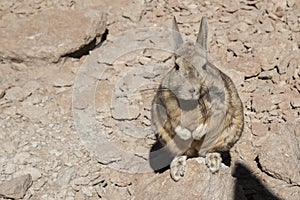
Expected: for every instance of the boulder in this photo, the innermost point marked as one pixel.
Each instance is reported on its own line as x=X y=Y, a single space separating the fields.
x=50 y=34
x=197 y=183
x=16 y=188
x=280 y=147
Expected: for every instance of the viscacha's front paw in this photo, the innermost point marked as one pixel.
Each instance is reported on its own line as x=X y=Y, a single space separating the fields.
x=183 y=133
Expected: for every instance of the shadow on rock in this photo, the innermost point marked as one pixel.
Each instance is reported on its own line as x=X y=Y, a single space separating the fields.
x=226 y=158
x=250 y=185
x=160 y=158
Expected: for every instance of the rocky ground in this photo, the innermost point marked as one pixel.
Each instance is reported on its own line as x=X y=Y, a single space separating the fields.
x=77 y=126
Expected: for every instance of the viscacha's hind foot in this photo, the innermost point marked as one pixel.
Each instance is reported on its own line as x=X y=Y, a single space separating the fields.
x=213 y=161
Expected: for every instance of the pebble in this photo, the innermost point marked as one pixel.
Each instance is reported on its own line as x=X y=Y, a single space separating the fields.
x=262 y=103
x=63 y=80
x=121 y=110
x=34 y=172
x=291 y=3
x=232 y=36
x=9 y=168
x=242 y=26
x=2 y=93
x=22 y=157
x=15 y=93
x=55 y=152
x=81 y=181
x=79 y=195
x=295 y=102
x=225 y=19
x=88 y=191
x=84 y=171
x=259 y=129
x=144 y=60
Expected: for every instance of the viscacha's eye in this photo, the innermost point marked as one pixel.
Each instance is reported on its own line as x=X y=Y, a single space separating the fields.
x=176 y=67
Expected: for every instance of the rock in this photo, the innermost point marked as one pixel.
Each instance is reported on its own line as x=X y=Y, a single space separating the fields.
x=233 y=36
x=16 y=93
x=64 y=177
x=285 y=66
x=81 y=181
x=9 y=168
x=120 y=179
x=197 y=183
x=122 y=110
x=133 y=130
x=37 y=37
x=20 y=93
x=8 y=147
x=250 y=66
x=242 y=26
x=230 y=6
x=63 y=80
x=34 y=172
x=98 y=180
x=31 y=86
x=281 y=145
x=259 y=129
x=133 y=16
x=2 y=93
x=262 y=103
x=22 y=157
x=225 y=19
x=79 y=195
x=280 y=12
x=267 y=26
x=236 y=47
x=157 y=55
x=32 y=112
x=16 y=188
x=144 y=60
x=87 y=190
x=295 y=102
x=290 y=3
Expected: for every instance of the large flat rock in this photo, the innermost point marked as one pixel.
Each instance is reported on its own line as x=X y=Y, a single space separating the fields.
x=197 y=183
x=16 y=188
x=50 y=34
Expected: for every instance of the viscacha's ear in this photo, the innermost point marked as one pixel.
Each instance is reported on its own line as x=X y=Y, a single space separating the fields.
x=178 y=41
x=202 y=35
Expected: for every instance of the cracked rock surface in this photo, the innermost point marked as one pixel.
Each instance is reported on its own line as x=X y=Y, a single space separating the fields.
x=49 y=47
